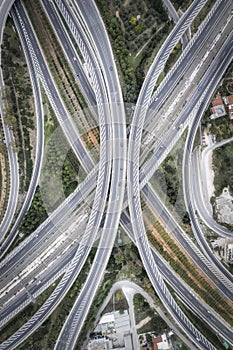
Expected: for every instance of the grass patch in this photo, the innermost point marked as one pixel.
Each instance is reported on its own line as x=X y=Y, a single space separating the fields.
x=223 y=173
x=19 y=103
x=131 y=25
x=156 y=324
x=118 y=302
x=4 y=174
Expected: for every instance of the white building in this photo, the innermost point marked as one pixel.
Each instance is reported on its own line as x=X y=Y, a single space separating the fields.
x=100 y=344
x=115 y=326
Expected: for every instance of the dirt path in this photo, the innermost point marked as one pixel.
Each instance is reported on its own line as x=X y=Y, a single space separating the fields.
x=143 y=322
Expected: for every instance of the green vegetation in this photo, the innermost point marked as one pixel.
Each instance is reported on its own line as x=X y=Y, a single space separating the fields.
x=156 y=325
x=136 y=28
x=167 y=182
x=19 y=107
x=223 y=174
x=35 y=216
x=65 y=170
x=169 y=167
x=4 y=174
x=129 y=266
x=72 y=173
x=118 y=302
x=50 y=120
x=221 y=127
x=176 y=52
x=55 y=173
x=60 y=166
x=68 y=167
x=142 y=310
x=1 y=184
x=226 y=82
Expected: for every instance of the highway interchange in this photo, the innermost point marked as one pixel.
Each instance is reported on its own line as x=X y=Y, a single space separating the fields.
x=95 y=48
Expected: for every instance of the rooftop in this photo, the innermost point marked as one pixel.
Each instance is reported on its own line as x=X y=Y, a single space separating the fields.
x=161 y=343
x=122 y=324
x=100 y=344
x=229 y=99
x=217 y=101
x=107 y=318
